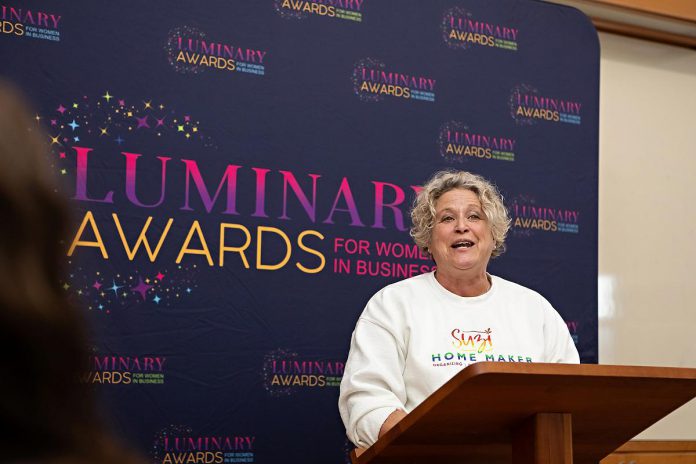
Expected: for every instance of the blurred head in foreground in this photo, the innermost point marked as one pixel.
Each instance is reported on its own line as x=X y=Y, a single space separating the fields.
x=47 y=412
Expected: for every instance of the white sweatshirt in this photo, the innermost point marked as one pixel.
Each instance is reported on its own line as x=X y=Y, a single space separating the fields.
x=414 y=335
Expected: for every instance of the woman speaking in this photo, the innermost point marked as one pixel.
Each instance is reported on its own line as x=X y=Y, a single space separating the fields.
x=416 y=334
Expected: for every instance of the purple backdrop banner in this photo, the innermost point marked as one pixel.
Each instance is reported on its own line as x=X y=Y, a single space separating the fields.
x=241 y=175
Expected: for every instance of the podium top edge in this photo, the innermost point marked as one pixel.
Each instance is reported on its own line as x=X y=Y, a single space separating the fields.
x=590 y=370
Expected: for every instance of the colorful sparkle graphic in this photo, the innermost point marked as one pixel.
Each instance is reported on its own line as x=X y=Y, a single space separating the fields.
x=288 y=13
x=158 y=451
x=357 y=80
x=518 y=200
x=267 y=373
x=116 y=120
x=521 y=89
x=442 y=141
x=446 y=27
x=172 y=49
x=102 y=292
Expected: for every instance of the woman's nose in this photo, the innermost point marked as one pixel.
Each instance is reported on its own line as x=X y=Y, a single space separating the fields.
x=461 y=225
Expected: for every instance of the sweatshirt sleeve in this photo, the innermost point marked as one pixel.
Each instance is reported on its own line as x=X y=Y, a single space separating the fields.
x=372 y=386
x=559 y=345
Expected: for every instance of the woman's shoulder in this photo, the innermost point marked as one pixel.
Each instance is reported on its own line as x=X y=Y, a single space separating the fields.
x=406 y=287
x=515 y=290
x=396 y=299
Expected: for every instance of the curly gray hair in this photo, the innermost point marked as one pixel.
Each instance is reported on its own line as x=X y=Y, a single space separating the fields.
x=423 y=212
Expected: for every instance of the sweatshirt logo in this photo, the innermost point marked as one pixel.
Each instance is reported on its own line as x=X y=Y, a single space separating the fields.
x=477 y=341
x=470 y=346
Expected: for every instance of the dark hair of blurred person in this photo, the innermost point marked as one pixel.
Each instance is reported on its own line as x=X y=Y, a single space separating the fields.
x=47 y=412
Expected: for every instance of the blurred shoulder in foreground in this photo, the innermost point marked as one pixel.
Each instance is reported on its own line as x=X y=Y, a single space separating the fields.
x=47 y=413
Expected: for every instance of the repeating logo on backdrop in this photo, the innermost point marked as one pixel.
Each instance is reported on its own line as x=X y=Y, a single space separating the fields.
x=457 y=142
x=189 y=51
x=285 y=372
x=179 y=444
x=23 y=22
x=461 y=30
x=120 y=369
x=350 y=10
x=528 y=106
x=528 y=217
x=373 y=81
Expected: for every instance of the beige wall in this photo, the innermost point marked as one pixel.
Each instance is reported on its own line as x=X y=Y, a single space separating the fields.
x=647 y=206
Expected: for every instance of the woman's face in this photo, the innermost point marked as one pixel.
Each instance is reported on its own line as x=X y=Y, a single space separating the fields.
x=461 y=239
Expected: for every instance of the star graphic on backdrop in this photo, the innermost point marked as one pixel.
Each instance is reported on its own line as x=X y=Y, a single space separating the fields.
x=61 y=109
x=142 y=122
x=103 y=131
x=119 y=140
x=76 y=139
x=115 y=287
x=101 y=306
x=157 y=299
x=148 y=104
x=141 y=288
x=107 y=97
x=121 y=103
x=74 y=105
x=53 y=122
x=37 y=117
x=74 y=125
x=188 y=136
x=55 y=140
x=195 y=129
x=97 y=284
x=187 y=118
x=188 y=290
x=66 y=286
x=62 y=155
x=180 y=128
x=160 y=276
x=160 y=122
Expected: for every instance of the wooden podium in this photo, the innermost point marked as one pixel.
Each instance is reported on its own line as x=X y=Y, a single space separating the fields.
x=494 y=413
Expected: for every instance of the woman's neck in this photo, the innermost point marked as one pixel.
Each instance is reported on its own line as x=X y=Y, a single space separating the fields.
x=464 y=285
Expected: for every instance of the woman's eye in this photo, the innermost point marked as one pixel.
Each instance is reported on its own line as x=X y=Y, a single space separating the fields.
x=447 y=218
x=474 y=217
